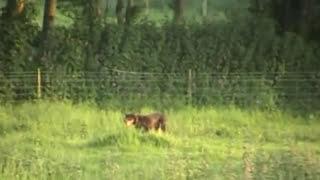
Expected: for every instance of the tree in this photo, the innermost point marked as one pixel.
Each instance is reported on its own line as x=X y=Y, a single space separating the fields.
x=129 y=13
x=147 y=4
x=204 y=8
x=120 y=9
x=178 y=8
x=48 y=18
x=14 y=8
x=93 y=21
x=299 y=16
x=48 y=22
x=133 y=10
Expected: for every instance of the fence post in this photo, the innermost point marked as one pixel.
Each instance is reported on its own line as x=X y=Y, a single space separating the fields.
x=39 y=84
x=190 y=87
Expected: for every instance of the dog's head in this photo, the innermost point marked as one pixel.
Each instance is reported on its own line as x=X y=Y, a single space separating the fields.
x=130 y=119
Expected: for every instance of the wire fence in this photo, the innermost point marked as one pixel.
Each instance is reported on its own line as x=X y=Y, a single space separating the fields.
x=191 y=87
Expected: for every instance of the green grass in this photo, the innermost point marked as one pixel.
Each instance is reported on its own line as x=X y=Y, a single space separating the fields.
x=61 y=140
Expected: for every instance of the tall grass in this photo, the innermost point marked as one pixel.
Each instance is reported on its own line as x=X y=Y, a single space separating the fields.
x=61 y=140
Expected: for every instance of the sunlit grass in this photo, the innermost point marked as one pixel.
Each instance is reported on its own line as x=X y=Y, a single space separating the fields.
x=61 y=140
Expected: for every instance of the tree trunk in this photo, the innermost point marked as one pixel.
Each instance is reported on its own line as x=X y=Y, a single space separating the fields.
x=146 y=2
x=14 y=8
x=48 y=22
x=305 y=17
x=130 y=3
x=178 y=8
x=299 y=16
x=204 y=8
x=93 y=13
x=96 y=8
x=130 y=11
x=120 y=11
x=48 y=18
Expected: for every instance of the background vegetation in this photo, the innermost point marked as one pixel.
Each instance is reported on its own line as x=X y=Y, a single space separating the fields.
x=222 y=37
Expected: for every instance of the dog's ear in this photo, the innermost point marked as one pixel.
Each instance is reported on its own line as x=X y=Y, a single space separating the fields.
x=128 y=115
x=132 y=116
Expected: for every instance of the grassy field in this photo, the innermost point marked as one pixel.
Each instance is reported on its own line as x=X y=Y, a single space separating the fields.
x=61 y=140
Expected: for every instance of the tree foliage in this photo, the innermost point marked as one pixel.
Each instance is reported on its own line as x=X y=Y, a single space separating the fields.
x=248 y=43
x=14 y=8
x=300 y=16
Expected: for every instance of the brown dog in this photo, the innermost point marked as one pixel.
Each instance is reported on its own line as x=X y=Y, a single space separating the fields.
x=148 y=122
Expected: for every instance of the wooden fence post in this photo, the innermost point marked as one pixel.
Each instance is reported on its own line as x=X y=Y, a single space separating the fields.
x=39 y=84
x=190 y=87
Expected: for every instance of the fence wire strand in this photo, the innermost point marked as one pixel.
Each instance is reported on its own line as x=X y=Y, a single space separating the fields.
x=198 y=85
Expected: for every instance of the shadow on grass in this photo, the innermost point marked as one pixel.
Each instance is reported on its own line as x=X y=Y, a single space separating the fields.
x=128 y=139
x=109 y=140
x=154 y=140
x=4 y=130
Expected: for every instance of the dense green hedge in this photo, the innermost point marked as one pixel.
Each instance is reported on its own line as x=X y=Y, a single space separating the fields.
x=249 y=45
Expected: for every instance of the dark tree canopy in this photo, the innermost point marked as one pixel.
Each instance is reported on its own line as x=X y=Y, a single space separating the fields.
x=300 y=16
